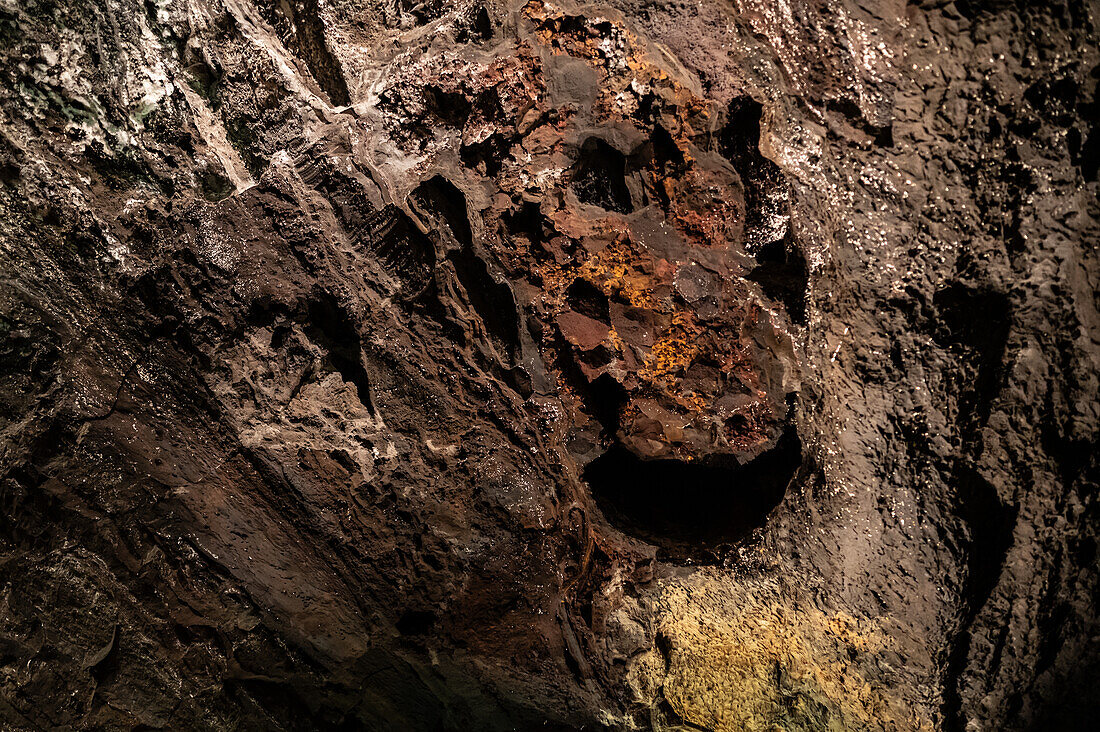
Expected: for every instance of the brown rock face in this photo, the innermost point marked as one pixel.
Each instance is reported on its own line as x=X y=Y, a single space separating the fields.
x=466 y=365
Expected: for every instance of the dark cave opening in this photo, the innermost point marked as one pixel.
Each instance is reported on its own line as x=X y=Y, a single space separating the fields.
x=451 y=108
x=600 y=177
x=487 y=156
x=990 y=524
x=525 y=220
x=692 y=511
x=475 y=27
x=604 y=396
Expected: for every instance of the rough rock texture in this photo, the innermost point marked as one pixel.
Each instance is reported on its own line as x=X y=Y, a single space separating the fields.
x=381 y=364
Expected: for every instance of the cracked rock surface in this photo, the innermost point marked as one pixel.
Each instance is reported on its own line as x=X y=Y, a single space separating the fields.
x=396 y=365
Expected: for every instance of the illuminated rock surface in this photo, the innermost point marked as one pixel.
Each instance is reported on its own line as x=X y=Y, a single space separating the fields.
x=393 y=365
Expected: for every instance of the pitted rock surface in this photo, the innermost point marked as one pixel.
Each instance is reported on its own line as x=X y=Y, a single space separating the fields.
x=392 y=365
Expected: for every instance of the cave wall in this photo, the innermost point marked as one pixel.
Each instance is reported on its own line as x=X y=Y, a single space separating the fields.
x=501 y=365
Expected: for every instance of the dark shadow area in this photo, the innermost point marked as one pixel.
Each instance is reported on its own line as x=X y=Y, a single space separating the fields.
x=603 y=397
x=416 y=622
x=203 y=79
x=330 y=327
x=662 y=159
x=989 y=525
x=974 y=322
x=691 y=510
x=441 y=199
x=1085 y=146
x=214 y=185
x=475 y=26
x=526 y=220
x=763 y=181
x=487 y=156
x=784 y=276
x=1072 y=703
x=491 y=299
x=599 y=178
x=451 y=108
x=976 y=8
x=667 y=157
x=299 y=25
x=404 y=250
x=587 y=299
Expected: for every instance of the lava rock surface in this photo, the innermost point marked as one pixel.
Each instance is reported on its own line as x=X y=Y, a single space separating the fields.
x=396 y=365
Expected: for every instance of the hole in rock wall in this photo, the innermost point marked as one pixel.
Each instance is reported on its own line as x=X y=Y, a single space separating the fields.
x=692 y=511
x=526 y=221
x=442 y=199
x=474 y=26
x=416 y=622
x=599 y=178
x=587 y=299
x=330 y=327
x=452 y=108
x=783 y=274
x=766 y=190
